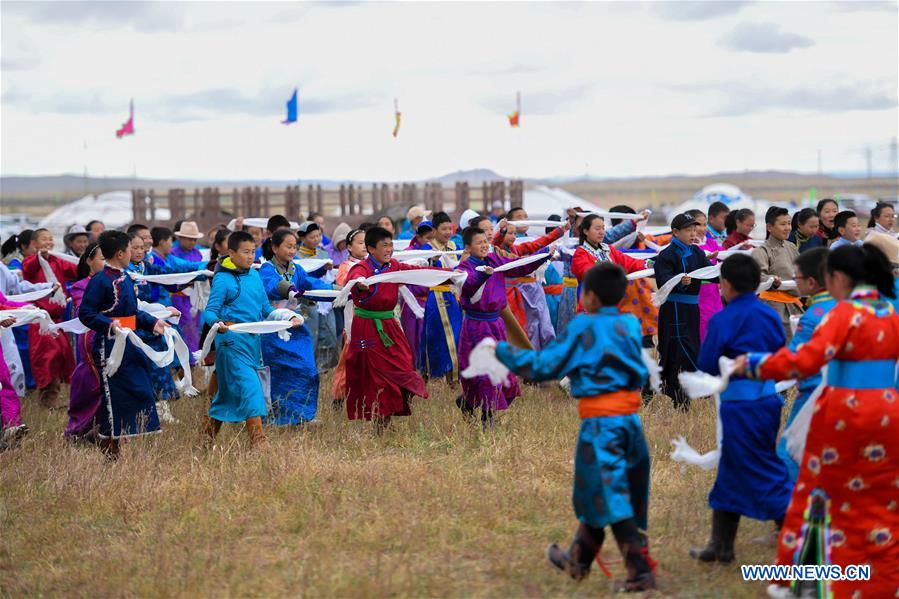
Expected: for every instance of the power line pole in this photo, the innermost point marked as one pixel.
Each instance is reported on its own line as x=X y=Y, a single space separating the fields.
x=820 y=171
x=868 y=161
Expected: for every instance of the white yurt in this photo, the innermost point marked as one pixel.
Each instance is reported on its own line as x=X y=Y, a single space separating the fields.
x=113 y=209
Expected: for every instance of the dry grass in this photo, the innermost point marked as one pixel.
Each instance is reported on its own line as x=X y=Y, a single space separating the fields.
x=435 y=507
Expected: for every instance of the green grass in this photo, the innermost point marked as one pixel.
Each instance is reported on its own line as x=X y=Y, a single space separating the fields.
x=435 y=507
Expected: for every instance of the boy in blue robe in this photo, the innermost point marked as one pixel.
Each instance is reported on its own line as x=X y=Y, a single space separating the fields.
x=810 y=283
x=161 y=261
x=110 y=304
x=679 y=316
x=601 y=352
x=238 y=296
x=752 y=480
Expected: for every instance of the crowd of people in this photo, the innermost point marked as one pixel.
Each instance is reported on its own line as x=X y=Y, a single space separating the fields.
x=128 y=318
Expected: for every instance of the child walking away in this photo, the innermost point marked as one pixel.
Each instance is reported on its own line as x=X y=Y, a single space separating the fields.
x=776 y=258
x=12 y=429
x=380 y=374
x=295 y=377
x=739 y=225
x=482 y=319
x=752 y=480
x=843 y=509
x=804 y=234
x=237 y=296
x=848 y=228
x=51 y=356
x=679 y=316
x=601 y=352
x=128 y=408
x=810 y=269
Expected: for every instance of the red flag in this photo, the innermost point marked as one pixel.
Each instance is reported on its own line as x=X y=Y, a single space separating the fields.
x=515 y=117
x=128 y=127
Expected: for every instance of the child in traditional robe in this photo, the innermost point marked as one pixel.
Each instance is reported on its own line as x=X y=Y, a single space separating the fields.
x=322 y=327
x=601 y=352
x=679 y=315
x=295 y=378
x=752 y=480
x=237 y=296
x=381 y=378
x=709 y=293
x=442 y=322
x=810 y=268
x=128 y=408
x=51 y=356
x=85 y=394
x=413 y=326
x=525 y=294
x=739 y=225
x=11 y=427
x=355 y=243
x=482 y=319
x=187 y=235
x=776 y=258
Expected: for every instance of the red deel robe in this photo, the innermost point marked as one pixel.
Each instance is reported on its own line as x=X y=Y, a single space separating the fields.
x=51 y=356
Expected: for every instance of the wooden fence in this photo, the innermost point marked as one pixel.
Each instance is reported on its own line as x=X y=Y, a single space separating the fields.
x=351 y=203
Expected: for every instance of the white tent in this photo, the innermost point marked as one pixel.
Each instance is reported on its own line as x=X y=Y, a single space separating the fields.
x=113 y=209
x=543 y=201
x=732 y=196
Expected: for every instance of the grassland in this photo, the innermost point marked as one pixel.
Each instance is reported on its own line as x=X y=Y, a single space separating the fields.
x=435 y=507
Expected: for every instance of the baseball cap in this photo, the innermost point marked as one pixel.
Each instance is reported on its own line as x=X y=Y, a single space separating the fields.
x=682 y=221
x=417 y=212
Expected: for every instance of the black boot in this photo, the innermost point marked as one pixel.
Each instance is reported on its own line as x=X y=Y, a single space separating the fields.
x=584 y=549
x=634 y=547
x=721 y=545
x=467 y=411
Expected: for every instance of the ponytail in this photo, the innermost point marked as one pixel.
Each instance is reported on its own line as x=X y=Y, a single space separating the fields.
x=730 y=222
x=876 y=212
x=585 y=226
x=277 y=238
x=10 y=245
x=864 y=264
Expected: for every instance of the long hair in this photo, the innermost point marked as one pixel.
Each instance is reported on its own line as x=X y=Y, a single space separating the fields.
x=876 y=212
x=864 y=264
x=84 y=267
x=585 y=226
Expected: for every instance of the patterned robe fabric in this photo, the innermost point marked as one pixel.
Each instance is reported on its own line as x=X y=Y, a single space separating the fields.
x=851 y=460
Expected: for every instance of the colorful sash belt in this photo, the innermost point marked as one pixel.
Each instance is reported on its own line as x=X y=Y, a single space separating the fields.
x=781 y=297
x=569 y=282
x=683 y=298
x=747 y=390
x=519 y=281
x=441 y=289
x=861 y=374
x=616 y=403
x=379 y=316
x=126 y=322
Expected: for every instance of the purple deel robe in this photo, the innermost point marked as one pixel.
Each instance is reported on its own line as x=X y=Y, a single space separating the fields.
x=481 y=320
x=189 y=325
x=84 y=393
x=709 y=294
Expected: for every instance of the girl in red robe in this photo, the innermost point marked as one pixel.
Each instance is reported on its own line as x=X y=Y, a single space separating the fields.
x=845 y=505
x=51 y=356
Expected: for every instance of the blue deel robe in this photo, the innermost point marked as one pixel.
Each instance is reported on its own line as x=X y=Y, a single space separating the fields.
x=155 y=264
x=601 y=353
x=441 y=328
x=128 y=407
x=322 y=327
x=237 y=296
x=752 y=480
x=163 y=384
x=819 y=305
x=295 y=377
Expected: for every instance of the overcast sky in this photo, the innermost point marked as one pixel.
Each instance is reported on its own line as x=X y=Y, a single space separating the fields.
x=609 y=89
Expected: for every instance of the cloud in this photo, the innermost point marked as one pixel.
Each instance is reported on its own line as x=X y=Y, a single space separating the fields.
x=63 y=103
x=21 y=56
x=142 y=16
x=765 y=38
x=515 y=69
x=742 y=100
x=698 y=11
x=552 y=102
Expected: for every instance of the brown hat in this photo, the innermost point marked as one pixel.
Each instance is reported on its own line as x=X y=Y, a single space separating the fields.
x=417 y=212
x=340 y=233
x=190 y=230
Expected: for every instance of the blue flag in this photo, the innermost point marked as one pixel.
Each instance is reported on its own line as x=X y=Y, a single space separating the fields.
x=291 y=109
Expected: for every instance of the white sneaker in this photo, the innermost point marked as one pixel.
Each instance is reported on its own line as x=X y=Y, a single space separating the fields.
x=165 y=413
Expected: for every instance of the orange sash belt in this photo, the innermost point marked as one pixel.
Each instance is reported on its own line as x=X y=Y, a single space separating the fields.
x=552 y=289
x=782 y=297
x=520 y=280
x=126 y=322
x=617 y=403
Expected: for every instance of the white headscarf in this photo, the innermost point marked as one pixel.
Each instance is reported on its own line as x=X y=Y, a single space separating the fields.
x=466 y=218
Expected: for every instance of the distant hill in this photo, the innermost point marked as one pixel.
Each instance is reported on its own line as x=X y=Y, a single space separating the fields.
x=474 y=176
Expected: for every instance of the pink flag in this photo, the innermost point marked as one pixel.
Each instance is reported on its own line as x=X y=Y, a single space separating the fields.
x=128 y=127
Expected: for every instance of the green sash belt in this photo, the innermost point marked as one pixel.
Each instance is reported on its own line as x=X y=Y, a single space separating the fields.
x=378 y=316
